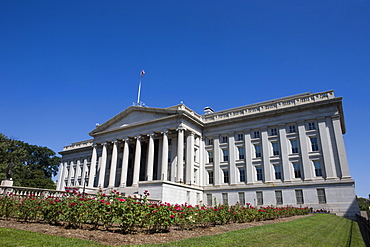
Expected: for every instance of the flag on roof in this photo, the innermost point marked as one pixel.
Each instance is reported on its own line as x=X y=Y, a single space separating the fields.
x=142 y=73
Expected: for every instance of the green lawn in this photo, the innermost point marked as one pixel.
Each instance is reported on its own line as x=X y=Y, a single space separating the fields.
x=317 y=230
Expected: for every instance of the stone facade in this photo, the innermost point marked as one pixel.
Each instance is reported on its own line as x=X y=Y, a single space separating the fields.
x=288 y=151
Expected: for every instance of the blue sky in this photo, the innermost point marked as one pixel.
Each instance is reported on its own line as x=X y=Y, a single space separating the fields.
x=67 y=65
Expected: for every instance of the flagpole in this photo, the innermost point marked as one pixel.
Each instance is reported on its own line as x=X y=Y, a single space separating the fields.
x=138 y=93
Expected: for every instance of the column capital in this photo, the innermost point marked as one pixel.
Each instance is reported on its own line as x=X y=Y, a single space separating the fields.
x=165 y=132
x=115 y=142
x=151 y=134
x=138 y=137
x=104 y=143
x=181 y=127
x=125 y=139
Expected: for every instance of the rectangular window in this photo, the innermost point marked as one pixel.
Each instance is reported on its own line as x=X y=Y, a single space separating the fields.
x=209 y=141
x=318 y=170
x=225 y=153
x=259 y=196
x=311 y=126
x=314 y=144
x=210 y=157
x=240 y=137
x=226 y=176
x=210 y=177
x=299 y=196
x=224 y=139
x=256 y=134
x=273 y=132
x=297 y=170
x=257 y=149
x=279 y=197
x=321 y=196
x=275 y=148
x=277 y=171
x=291 y=129
x=225 y=199
x=241 y=153
x=294 y=145
x=241 y=198
x=209 y=199
x=242 y=174
x=119 y=163
x=259 y=173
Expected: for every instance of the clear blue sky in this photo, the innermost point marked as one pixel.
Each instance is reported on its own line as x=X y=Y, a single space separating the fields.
x=66 y=65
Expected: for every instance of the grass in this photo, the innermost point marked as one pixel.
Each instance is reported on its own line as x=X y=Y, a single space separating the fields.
x=317 y=230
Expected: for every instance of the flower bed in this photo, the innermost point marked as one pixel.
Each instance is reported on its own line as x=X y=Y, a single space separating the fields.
x=131 y=214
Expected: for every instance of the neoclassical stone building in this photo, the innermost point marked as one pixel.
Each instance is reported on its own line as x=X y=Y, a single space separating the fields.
x=288 y=151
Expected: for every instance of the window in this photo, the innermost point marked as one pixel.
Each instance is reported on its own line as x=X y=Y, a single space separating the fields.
x=275 y=148
x=241 y=198
x=224 y=139
x=240 y=137
x=209 y=199
x=318 y=170
x=225 y=199
x=273 y=132
x=291 y=129
x=210 y=157
x=321 y=195
x=299 y=196
x=257 y=148
x=277 y=171
x=209 y=141
x=294 y=145
x=259 y=173
x=311 y=125
x=256 y=134
x=314 y=144
x=279 y=197
x=242 y=174
x=226 y=176
x=259 y=196
x=225 y=153
x=297 y=170
x=210 y=177
x=241 y=153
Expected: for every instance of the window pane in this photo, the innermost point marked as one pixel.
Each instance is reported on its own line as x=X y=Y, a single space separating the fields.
x=225 y=199
x=277 y=171
x=321 y=195
x=241 y=198
x=297 y=170
x=242 y=174
x=279 y=197
x=259 y=196
x=226 y=176
x=318 y=170
x=258 y=151
x=209 y=199
x=299 y=196
x=259 y=173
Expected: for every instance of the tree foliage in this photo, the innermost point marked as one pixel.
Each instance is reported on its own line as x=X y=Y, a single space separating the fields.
x=34 y=165
x=363 y=203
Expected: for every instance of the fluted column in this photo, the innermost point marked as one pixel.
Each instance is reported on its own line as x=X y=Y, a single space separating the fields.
x=306 y=164
x=103 y=165
x=60 y=176
x=78 y=172
x=150 y=162
x=190 y=159
x=84 y=172
x=136 y=174
x=341 y=150
x=164 y=155
x=124 y=162
x=93 y=167
x=180 y=155
x=327 y=152
x=113 y=165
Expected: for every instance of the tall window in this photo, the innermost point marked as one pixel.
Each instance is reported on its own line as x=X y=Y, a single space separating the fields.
x=210 y=177
x=299 y=196
x=273 y=132
x=311 y=125
x=259 y=173
x=209 y=141
x=224 y=139
x=291 y=129
x=225 y=153
x=241 y=153
x=209 y=199
x=297 y=170
x=257 y=149
x=210 y=156
x=275 y=148
x=318 y=170
x=277 y=171
x=279 y=197
x=256 y=134
x=294 y=145
x=321 y=195
x=242 y=174
x=314 y=144
x=226 y=176
x=241 y=198
x=225 y=199
x=240 y=137
x=259 y=196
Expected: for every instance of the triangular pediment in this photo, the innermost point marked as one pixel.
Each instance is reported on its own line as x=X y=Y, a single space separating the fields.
x=132 y=116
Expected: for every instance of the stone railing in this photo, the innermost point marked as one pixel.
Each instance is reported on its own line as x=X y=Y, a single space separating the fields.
x=87 y=143
x=25 y=191
x=269 y=106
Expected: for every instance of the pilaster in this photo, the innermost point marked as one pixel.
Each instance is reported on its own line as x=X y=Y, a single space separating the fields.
x=306 y=164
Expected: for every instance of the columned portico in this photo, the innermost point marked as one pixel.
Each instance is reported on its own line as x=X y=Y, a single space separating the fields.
x=180 y=155
x=137 y=161
x=103 y=165
x=113 y=166
x=125 y=157
x=164 y=156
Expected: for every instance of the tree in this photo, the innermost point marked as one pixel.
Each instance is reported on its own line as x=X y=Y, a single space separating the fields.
x=34 y=165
